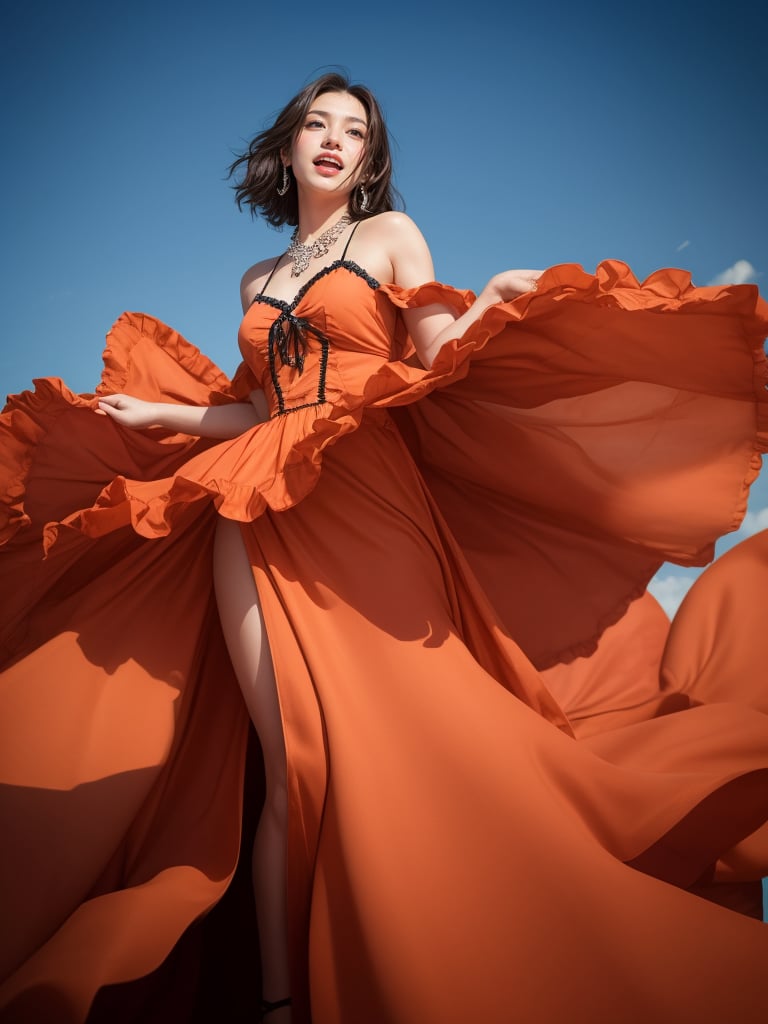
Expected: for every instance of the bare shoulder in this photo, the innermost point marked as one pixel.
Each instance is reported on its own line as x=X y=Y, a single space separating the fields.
x=395 y=249
x=254 y=279
x=393 y=225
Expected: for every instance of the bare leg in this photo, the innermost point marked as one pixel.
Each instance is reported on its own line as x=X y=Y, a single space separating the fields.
x=248 y=646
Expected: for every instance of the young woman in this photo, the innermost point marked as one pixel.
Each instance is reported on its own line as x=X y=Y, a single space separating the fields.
x=406 y=500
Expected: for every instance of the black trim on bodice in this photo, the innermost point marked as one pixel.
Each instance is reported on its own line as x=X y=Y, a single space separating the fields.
x=288 y=335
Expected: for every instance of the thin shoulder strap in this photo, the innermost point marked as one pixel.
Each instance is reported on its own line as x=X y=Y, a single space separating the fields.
x=271 y=275
x=351 y=236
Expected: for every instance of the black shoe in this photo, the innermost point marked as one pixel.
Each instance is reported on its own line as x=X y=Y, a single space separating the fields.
x=267 y=1007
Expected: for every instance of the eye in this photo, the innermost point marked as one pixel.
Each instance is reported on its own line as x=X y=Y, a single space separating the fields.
x=357 y=132
x=314 y=123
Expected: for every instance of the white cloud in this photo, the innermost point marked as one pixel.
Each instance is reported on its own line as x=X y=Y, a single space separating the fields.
x=754 y=522
x=741 y=272
x=669 y=591
x=683 y=245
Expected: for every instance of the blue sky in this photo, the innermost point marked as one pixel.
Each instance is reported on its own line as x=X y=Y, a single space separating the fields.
x=525 y=135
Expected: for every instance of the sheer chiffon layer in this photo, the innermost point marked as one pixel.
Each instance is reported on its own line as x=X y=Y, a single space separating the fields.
x=469 y=837
x=598 y=450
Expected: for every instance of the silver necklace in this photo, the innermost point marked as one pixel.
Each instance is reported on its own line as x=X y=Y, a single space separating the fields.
x=301 y=254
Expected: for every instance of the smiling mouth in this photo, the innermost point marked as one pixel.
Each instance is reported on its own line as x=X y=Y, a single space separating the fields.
x=328 y=161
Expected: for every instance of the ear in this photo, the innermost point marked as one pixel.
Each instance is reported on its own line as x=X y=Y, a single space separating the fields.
x=285 y=157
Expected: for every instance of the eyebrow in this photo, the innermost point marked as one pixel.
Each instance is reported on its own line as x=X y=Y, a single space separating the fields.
x=325 y=113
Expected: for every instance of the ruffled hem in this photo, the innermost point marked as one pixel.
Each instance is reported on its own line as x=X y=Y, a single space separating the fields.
x=134 y=337
x=613 y=286
x=153 y=508
x=24 y=423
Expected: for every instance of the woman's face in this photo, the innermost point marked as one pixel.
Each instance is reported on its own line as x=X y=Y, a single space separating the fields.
x=330 y=145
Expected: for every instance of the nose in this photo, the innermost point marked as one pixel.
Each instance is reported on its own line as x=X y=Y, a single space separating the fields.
x=331 y=140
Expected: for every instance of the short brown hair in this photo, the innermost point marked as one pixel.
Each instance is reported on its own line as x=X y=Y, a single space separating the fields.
x=261 y=166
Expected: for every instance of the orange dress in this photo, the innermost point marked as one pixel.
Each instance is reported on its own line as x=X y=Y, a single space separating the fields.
x=504 y=775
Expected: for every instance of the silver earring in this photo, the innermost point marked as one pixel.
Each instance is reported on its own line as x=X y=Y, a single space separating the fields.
x=285 y=184
x=363 y=199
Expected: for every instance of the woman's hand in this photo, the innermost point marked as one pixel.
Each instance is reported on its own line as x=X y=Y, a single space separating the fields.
x=509 y=284
x=129 y=411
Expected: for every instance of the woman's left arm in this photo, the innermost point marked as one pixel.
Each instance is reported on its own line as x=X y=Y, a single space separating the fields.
x=432 y=326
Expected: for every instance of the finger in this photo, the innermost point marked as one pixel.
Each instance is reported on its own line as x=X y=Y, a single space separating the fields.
x=533 y=279
x=108 y=409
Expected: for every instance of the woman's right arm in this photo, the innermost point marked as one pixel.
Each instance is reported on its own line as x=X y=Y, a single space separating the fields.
x=217 y=421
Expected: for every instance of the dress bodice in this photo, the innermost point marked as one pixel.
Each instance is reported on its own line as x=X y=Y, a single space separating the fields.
x=310 y=351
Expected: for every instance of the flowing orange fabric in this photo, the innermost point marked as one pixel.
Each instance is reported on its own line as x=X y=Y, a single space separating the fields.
x=508 y=776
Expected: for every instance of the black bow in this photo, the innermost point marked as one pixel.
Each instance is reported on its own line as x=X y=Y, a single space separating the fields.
x=288 y=335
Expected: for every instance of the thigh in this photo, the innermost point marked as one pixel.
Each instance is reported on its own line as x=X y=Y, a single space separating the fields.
x=246 y=637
